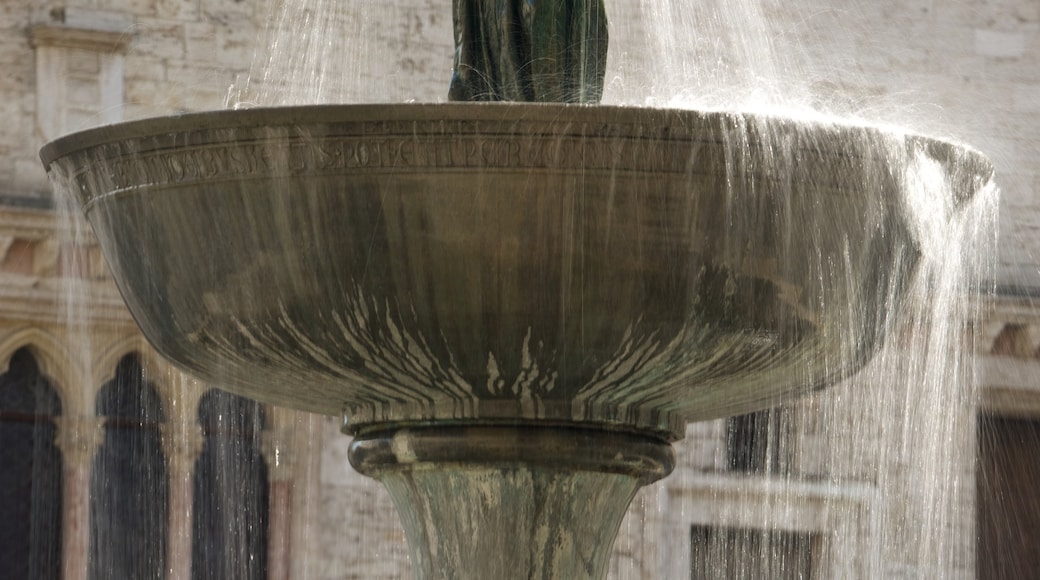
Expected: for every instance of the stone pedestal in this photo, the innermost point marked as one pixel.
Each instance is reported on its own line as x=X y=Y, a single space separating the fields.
x=511 y=502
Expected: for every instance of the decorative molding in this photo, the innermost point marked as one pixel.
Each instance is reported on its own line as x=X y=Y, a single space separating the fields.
x=81 y=28
x=78 y=438
x=54 y=360
x=32 y=223
x=35 y=300
x=182 y=445
x=156 y=370
x=103 y=41
x=79 y=68
x=1009 y=386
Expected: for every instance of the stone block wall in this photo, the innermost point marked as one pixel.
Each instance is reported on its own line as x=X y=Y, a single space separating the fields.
x=173 y=56
x=970 y=70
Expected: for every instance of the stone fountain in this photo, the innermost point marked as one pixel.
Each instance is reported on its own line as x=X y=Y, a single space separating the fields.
x=516 y=308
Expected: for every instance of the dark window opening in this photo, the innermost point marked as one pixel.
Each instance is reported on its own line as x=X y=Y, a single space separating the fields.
x=231 y=491
x=751 y=554
x=30 y=473
x=759 y=443
x=1007 y=503
x=128 y=483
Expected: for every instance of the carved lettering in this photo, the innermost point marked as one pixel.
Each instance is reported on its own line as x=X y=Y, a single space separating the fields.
x=362 y=155
x=329 y=156
x=458 y=144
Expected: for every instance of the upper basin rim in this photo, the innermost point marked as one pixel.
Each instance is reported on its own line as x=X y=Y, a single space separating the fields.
x=304 y=115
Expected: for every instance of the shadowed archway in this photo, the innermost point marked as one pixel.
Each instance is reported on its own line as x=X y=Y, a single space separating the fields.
x=31 y=478
x=230 y=491
x=129 y=485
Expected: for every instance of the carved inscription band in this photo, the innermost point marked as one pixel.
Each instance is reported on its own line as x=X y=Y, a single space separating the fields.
x=332 y=155
x=315 y=141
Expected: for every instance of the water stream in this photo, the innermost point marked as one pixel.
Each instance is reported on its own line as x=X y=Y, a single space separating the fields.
x=893 y=448
x=872 y=477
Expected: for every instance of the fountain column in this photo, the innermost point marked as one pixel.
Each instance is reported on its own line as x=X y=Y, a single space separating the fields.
x=78 y=438
x=510 y=501
x=182 y=443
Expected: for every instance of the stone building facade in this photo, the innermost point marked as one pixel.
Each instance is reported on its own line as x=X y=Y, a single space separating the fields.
x=970 y=69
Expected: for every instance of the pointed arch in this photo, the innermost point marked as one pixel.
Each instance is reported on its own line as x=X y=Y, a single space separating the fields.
x=155 y=368
x=55 y=364
x=106 y=360
x=130 y=396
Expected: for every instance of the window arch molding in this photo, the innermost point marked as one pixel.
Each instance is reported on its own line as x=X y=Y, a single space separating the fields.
x=55 y=363
x=160 y=374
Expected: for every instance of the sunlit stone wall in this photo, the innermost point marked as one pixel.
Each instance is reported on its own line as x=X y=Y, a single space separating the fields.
x=966 y=69
x=970 y=70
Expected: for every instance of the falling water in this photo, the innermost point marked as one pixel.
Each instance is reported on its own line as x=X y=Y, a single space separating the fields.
x=875 y=473
x=886 y=459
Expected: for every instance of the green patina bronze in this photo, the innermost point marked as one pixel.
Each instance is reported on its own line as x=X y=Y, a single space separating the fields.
x=529 y=50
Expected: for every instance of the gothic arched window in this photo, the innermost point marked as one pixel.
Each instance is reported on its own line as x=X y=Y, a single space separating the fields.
x=128 y=483
x=230 y=509
x=30 y=473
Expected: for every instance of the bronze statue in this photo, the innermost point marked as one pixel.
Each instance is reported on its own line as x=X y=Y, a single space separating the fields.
x=529 y=50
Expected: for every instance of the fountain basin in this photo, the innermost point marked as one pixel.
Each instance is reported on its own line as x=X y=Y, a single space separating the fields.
x=629 y=268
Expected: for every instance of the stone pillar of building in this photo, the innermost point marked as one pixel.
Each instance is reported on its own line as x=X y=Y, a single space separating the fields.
x=182 y=443
x=78 y=439
x=277 y=450
x=308 y=442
